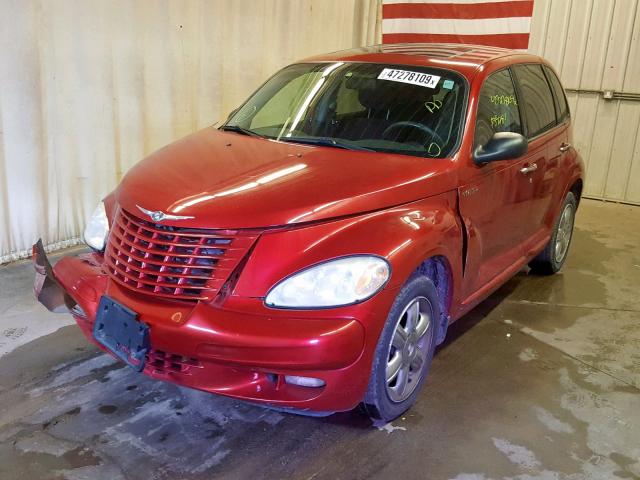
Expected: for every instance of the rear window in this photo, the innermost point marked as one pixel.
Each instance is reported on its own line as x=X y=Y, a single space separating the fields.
x=556 y=86
x=537 y=101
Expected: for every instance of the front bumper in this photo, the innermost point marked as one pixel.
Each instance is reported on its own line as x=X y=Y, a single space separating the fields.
x=242 y=349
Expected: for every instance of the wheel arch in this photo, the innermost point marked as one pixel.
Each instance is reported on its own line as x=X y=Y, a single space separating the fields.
x=576 y=189
x=437 y=268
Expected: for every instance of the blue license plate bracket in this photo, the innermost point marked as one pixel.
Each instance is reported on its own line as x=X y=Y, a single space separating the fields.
x=118 y=329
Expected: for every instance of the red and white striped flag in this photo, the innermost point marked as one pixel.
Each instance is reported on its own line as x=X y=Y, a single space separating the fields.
x=489 y=22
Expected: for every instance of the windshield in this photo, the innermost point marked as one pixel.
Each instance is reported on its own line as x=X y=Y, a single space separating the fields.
x=361 y=106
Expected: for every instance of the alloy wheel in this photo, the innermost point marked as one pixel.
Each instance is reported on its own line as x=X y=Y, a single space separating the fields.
x=409 y=349
x=563 y=236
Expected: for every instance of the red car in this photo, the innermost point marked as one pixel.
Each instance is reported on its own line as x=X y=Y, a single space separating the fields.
x=310 y=253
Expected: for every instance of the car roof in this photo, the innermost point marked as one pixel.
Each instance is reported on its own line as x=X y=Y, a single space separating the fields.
x=463 y=58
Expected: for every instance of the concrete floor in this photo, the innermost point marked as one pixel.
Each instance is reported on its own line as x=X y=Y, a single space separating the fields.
x=541 y=381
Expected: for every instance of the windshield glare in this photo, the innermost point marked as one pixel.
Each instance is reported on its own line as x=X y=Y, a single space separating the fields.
x=364 y=106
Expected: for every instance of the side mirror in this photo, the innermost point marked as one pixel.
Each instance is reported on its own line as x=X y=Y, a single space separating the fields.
x=502 y=146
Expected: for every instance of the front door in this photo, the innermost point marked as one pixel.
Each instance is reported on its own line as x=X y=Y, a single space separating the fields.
x=495 y=199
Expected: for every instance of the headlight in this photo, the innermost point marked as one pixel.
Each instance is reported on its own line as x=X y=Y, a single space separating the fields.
x=95 y=233
x=342 y=281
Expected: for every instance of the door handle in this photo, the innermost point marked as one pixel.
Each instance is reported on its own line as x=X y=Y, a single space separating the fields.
x=528 y=169
x=564 y=147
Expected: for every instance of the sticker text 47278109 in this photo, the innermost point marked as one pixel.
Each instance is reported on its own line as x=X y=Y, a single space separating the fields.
x=406 y=76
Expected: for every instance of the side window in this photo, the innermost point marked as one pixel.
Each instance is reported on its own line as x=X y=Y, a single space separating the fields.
x=537 y=101
x=498 y=109
x=558 y=91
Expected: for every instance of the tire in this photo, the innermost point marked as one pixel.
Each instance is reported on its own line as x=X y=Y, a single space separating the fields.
x=554 y=254
x=404 y=343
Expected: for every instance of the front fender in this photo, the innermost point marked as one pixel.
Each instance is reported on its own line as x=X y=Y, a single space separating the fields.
x=405 y=235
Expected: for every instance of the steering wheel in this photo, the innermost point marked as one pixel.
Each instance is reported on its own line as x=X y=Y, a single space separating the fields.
x=418 y=126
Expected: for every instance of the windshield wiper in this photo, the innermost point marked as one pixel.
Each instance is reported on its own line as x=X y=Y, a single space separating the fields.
x=239 y=129
x=325 y=142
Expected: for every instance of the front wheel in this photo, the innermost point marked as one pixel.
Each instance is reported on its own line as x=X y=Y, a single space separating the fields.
x=404 y=351
x=551 y=259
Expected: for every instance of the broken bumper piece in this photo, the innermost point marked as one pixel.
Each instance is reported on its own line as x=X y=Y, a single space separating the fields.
x=47 y=289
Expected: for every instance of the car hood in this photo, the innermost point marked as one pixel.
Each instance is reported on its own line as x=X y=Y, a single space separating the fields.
x=228 y=180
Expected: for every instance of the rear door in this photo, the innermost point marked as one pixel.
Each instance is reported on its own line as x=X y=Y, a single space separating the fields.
x=558 y=151
x=546 y=137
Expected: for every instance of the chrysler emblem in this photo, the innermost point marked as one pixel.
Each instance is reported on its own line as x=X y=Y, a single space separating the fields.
x=158 y=216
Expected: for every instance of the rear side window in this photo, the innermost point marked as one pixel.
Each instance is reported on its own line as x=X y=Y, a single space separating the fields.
x=537 y=101
x=558 y=91
x=497 y=108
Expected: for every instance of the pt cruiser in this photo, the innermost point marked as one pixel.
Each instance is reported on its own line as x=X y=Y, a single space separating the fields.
x=310 y=253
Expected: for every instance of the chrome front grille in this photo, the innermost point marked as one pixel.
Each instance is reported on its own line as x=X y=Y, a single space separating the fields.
x=172 y=262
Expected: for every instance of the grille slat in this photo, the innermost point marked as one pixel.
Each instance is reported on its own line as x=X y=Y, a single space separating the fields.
x=210 y=252
x=184 y=273
x=161 y=362
x=171 y=240
x=180 y=231
x=172 y=262
x=147 y=260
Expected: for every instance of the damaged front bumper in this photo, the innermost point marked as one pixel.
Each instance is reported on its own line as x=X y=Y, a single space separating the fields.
x=46 y=288
x=243 y=350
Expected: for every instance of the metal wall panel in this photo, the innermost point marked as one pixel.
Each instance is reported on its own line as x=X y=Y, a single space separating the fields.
x=595 y=46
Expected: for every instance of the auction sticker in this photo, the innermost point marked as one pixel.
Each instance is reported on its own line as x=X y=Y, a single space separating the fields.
x=406 y=76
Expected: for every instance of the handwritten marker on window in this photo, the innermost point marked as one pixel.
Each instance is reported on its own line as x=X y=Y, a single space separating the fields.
x=448 y=84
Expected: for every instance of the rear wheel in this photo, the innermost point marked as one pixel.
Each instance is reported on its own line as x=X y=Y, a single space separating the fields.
x=551 y=259
x=404 y=351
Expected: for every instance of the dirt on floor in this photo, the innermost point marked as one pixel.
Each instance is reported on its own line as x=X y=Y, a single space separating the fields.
x=541 y=381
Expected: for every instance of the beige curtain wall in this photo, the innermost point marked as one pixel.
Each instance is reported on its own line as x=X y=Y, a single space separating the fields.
x=89 y=87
